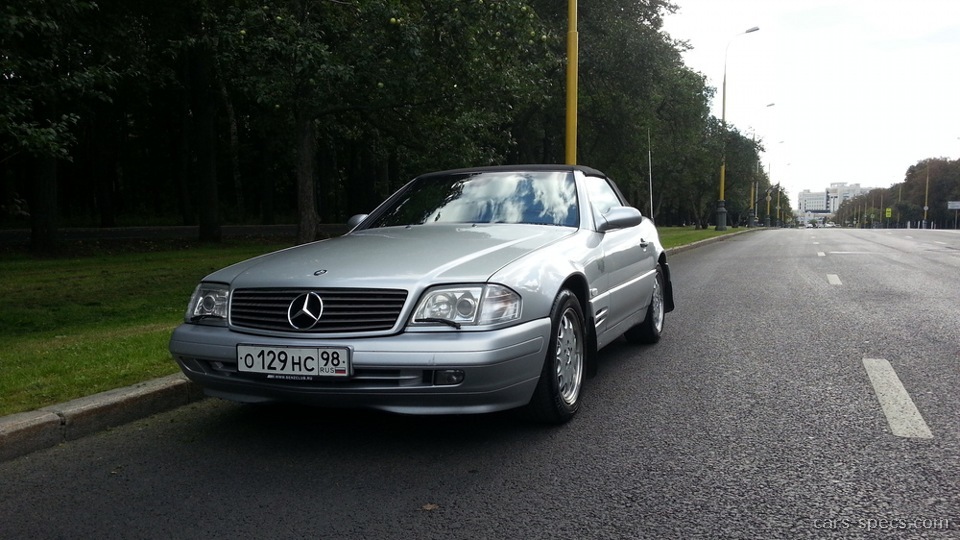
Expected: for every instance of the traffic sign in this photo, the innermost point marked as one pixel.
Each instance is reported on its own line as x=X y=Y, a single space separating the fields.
x=953 y=205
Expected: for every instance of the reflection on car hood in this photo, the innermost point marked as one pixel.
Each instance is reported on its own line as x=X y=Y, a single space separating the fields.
x=395 y=257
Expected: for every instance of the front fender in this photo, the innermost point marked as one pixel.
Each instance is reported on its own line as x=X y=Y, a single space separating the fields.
x=540 y=276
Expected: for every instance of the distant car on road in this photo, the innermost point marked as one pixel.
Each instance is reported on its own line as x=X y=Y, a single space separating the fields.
x=466 y=291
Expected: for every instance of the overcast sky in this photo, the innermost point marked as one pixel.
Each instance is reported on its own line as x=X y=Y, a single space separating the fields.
x=862 y=89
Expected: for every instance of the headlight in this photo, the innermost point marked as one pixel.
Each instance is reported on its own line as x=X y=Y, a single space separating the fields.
x=468 y=305
x=209 y=301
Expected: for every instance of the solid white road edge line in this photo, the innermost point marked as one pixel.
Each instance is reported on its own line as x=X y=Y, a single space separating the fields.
x=901 y=413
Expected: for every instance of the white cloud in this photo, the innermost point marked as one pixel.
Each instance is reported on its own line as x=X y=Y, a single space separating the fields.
x=863 y=89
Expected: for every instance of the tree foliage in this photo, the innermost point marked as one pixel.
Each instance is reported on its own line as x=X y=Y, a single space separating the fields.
x=930 y=183
x=212 y=111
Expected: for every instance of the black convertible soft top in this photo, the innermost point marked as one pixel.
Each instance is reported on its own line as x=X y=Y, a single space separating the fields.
x=589 y=171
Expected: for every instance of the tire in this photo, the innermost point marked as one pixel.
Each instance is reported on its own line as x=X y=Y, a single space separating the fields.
x=649 y=331
x=557 y=397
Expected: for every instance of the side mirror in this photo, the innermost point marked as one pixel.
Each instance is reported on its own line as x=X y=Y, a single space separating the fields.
x=619 y=217
x=355 y=220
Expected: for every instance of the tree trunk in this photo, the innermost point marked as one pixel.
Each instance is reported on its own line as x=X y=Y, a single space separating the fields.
x=44 y=210
x=182 y=168
x=205 y=123
x=265 y=187
x=44 y=233
x=362 y=178
x=234 y=149
x=106 y=145
x=308 y=220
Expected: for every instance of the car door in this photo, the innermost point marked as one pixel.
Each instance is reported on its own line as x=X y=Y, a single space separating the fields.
x=628 y=262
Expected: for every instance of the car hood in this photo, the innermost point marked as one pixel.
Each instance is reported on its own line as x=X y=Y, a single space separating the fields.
x=394 y=257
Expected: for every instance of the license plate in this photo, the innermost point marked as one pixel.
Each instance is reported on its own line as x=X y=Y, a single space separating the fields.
x=298 y=362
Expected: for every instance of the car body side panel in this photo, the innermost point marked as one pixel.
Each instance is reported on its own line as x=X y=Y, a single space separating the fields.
x=629 y=262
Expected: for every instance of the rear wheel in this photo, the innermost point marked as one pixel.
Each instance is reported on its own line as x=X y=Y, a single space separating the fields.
x=557 y=396
x=652 y=326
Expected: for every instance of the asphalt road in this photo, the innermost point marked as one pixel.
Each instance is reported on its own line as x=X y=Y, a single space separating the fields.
x=770 y=409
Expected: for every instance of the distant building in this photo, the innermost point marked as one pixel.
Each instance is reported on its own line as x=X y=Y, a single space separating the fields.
x=809 y=201
x=822 y=205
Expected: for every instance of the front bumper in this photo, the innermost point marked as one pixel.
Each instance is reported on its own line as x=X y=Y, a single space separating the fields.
x=393 y=373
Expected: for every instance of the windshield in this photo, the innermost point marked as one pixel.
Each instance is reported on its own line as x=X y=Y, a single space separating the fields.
x=541 y=197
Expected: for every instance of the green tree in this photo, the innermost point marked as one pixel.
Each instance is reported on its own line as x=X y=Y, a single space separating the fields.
x=683 y=159
x=217 y=110
x=640 y=109
x=49 y=72
x=361 y=84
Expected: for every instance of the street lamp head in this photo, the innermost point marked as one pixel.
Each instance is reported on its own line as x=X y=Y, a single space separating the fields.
x=754 y=29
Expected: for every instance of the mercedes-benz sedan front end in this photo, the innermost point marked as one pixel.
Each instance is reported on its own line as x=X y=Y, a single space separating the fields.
x=467 y=291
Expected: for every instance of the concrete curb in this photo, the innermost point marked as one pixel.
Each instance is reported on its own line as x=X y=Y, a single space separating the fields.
x=23 y=433
x=27 y=432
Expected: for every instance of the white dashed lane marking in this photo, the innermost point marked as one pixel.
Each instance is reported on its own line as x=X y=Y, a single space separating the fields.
x=902 y=415
x=833 y=279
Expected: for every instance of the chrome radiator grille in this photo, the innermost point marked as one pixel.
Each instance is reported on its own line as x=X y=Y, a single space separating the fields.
x=344 y=310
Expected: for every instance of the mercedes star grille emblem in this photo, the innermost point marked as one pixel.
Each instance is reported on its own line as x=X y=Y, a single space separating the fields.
x=305 y=311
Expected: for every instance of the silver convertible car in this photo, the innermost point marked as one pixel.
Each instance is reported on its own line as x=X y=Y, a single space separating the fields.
x=467 y=291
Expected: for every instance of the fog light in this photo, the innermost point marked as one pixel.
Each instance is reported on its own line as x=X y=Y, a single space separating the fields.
x=446 y=377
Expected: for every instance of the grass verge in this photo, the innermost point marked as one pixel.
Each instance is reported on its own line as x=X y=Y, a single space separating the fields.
x=101 y=319
x=76 y=326
x=672 y=237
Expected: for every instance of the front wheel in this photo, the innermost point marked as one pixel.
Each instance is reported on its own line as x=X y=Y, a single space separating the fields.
x=652 y=326
x=557 y=396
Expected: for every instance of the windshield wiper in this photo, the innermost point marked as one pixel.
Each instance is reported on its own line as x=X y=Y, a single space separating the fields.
x=440 y=320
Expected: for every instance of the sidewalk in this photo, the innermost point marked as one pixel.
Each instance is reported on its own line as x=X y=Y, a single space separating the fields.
x=27 y=432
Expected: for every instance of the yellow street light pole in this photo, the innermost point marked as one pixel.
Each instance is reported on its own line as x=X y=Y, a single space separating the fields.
x=572 y=59
x=899 y=199
x=779 y=215
x=721 y=209
x=753 y=191
x=883 y=212
x=766 y=221
x=754 y=188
